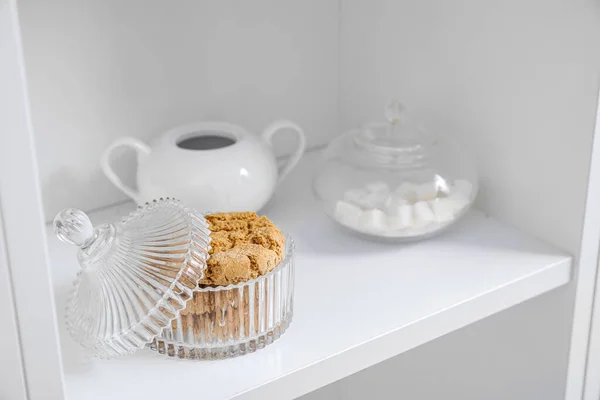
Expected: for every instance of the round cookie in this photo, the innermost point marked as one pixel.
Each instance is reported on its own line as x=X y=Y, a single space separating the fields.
x=240 y=264
x=244 y=246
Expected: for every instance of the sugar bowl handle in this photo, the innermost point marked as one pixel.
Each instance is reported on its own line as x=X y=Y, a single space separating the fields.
x=140 y=148
x=300 y=146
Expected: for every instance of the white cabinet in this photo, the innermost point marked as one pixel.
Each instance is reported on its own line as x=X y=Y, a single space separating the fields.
x=498 y=308
x=11 y=368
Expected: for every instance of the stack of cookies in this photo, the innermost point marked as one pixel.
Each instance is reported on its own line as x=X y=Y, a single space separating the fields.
x=239 y=305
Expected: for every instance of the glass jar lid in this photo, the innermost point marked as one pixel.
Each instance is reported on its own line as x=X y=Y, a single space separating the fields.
x=398 y=143
x=136 y=276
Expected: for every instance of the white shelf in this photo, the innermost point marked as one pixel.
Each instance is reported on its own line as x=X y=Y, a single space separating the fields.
x=357 y=303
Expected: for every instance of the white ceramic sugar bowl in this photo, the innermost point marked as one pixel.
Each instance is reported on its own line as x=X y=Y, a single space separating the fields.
x=395 y=180
x=211 y=166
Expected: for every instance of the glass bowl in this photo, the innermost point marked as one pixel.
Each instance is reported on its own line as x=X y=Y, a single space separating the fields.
x=395 y=180
x=228 y=321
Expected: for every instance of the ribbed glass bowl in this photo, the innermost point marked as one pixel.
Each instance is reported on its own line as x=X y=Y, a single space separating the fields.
x=228 y=321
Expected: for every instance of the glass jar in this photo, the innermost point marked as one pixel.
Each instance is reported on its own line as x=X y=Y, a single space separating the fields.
x=395 y=180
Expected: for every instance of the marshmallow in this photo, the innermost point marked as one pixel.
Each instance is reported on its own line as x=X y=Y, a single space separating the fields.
x=403 y=218
x=407 y=191
x=376 y=195
x=366 y=199
x=443 y=209
x=423 y=213
x=426 y=191
x=374 y=200
x=464 y=187
x=348 y=213
x=356 y=196
x=378 y=187
x=405 y=212
x=393 y=202
x=458 y=201
x=373 y=221
x=412 y=209
x=394 y=223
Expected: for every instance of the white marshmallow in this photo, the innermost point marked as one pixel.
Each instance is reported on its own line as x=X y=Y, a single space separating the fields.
x=373 y=220
x=403 y=218
x=378 y=187
x=348 y=213
x=458 y=201
x=426 y=191
x=356 y=196
x=389 y=202
x=443 y=209
x=405 y=212
x=463 y=186
x=407 y=191
x=374 y=200
x=394 y=223
x=423 y=213
x=393 y=202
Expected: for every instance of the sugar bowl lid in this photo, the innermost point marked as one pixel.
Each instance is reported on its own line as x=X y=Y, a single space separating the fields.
x=136 y=276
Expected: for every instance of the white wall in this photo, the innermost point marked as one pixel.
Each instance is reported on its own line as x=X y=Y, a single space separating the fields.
x=517 y=81
x=99 y=70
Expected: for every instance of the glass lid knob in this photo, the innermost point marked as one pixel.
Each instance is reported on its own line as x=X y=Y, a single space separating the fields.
x=393 y=111
x=73 y=226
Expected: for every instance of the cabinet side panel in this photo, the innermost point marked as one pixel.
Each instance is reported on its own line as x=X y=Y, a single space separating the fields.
x=585 y=360
x=99 y=70
x=24 y=231
x=12 y=377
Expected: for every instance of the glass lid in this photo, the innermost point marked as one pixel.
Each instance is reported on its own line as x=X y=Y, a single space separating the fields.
x=135 y=276
x=397 y=143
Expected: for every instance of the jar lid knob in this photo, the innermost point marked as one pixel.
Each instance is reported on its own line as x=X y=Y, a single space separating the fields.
x=393 y=111
x=73 y=226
